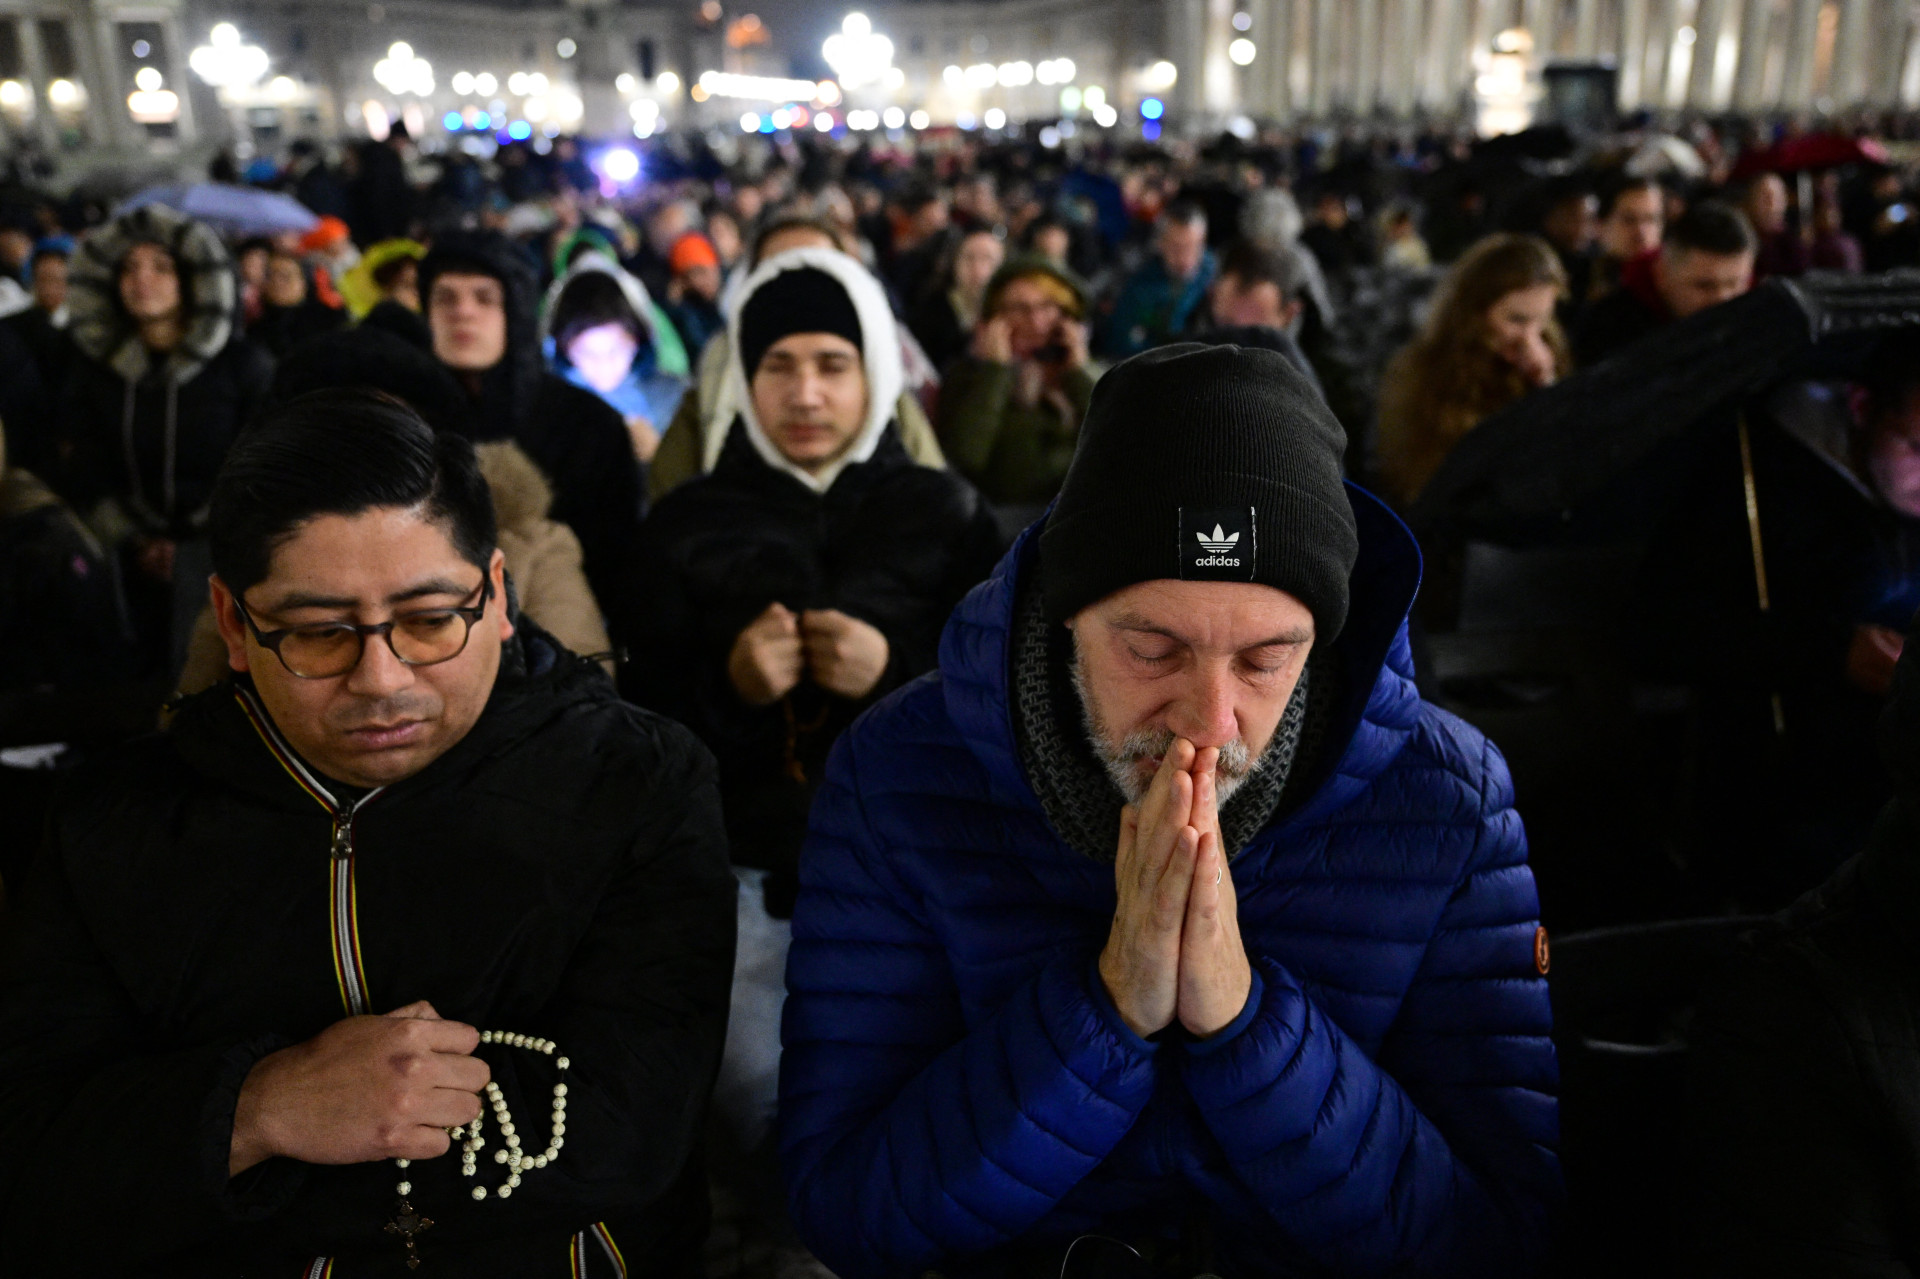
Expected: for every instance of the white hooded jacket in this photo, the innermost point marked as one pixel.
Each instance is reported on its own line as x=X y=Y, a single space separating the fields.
x=880 y=355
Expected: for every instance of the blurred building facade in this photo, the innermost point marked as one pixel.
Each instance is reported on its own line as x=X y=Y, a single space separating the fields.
x=76 y=75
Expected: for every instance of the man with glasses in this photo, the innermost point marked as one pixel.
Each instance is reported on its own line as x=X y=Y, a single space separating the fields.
x=1010 y=408
x=414 y=880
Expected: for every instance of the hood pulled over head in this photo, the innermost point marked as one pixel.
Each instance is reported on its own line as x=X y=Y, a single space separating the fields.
x=209 y=292
x=865 y=306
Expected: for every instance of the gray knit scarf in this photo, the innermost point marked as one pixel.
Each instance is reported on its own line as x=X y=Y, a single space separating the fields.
x=1080 y=799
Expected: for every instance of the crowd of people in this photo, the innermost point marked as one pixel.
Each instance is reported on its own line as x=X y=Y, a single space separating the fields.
x=932 y=691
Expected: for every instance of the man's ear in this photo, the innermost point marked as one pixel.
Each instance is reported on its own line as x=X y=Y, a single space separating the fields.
x=1290 y=311
x=497 y=570
x=233 y=631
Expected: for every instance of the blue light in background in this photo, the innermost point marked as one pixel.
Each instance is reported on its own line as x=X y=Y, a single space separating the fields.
x=766 y=124
x=1150 y=131
x=453 y=121
x=1152 y=108
x=519 y=130
x=483 y=121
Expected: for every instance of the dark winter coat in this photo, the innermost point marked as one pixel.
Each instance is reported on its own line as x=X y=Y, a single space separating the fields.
x=282 y=328
x=1806 y=1064
x=576 y=439
x=892 y=543
x=1784 y=809
x=61 y=625
x=1612 y=323
x=152 y=447
x=956 y=1085
x=145 y=433
x=560 y=872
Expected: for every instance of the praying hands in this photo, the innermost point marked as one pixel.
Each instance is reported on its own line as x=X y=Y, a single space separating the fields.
x=1174 y=951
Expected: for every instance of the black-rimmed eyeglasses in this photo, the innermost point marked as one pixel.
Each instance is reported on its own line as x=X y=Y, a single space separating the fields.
x=322 y=650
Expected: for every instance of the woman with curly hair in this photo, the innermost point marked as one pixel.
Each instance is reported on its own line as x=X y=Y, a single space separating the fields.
x=1490 y=338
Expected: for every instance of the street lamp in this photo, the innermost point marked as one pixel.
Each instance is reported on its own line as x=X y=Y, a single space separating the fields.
x=401 y=72
x=149 y=103
x=224 y=62
x=858 y=55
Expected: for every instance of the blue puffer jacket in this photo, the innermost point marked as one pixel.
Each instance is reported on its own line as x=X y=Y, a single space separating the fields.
x=956 y=1080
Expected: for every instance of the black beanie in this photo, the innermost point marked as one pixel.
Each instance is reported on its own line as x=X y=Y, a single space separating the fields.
x=1204 y=463
x=803 y=300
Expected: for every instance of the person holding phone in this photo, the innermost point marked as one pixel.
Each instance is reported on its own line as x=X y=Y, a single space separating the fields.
x=1011 y=406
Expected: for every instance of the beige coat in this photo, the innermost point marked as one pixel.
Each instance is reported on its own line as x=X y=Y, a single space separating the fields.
x=543 y=559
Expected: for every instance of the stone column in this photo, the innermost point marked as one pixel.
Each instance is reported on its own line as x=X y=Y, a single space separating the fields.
x=1540 y=18
x=1185 y=29
x=34 y=63
x=1633 y=54
x=1849 y=82
x=1707 y=23
x=1320 y=96
x=1438 y=85
x=1756 y=39
x=1586 y=30
x=1368 y=72
x=93 y=48
x=1401 y=57
x=1802 y=29
x=1273 y=35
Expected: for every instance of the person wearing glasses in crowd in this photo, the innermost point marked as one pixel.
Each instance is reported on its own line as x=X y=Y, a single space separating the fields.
x=1010 y=408
x=286 y=975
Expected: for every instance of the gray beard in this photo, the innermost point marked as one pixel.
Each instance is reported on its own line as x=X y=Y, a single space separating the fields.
x=1081 y=791
x=1122 y=759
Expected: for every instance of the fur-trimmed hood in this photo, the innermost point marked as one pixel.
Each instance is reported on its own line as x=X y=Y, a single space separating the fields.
x=209 y=293
x=880 y=354
x=522 y=497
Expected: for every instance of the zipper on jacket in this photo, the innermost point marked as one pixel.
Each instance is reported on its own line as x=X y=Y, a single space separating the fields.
x=349 y=970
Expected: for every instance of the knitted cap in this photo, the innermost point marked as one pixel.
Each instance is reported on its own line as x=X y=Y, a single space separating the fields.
x=806 y=300
x=1204 y=463
x=692 y=250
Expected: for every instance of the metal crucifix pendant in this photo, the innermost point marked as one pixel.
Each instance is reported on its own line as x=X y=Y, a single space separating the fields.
x=407 y=1224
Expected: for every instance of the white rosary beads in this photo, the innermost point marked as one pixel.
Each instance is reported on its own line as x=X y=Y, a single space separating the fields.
x=516 y=1163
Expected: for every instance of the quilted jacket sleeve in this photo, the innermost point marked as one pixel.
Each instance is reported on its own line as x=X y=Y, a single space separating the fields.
x=1438 y=1157
x=906 y=1134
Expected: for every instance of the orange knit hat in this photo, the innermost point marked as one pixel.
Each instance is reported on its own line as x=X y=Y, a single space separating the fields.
x=692 y=250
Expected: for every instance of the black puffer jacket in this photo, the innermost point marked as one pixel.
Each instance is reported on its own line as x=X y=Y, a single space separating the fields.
x=575 y=437
x=891 y=543
x=1806 y=1083
x=560 y=872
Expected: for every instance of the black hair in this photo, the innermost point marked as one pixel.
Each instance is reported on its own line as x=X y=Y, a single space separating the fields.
x=794 y=222
x=1184 y=212
x=916 y=195
x=1045 y=222
x=251 y=243
x=389 y=272
x=591 y=299
x=53 y=251
x=1252 y=263
x=1712 y=227
x=341 y=452
x=1611 y=192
